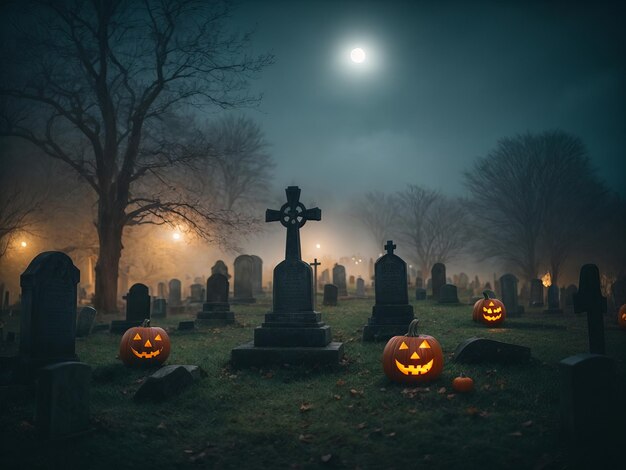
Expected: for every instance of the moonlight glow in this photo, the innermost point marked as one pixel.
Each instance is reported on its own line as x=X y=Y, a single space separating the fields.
x=176 y=236
x=357 y=55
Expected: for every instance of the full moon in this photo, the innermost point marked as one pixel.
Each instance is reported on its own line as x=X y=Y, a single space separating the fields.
x=357 y=55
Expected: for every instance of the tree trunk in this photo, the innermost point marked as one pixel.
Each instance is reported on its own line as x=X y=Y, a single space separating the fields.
x=110 y=228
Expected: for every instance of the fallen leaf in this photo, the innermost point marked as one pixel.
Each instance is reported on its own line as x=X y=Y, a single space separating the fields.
x=326 y=458
x=356 y=393
x=442 y=390
x=305 y=407
x=337 y=397
x=450 y=396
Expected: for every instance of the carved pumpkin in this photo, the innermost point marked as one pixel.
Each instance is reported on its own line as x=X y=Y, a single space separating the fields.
x=144 y=345
x=489 y=311
x=463 y=383
x=621 y=316
x=413 y=358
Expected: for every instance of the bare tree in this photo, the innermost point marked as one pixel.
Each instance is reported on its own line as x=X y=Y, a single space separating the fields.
x=432 y=224
x=532 y=198
x=98 y=84
x=376 y=212
x=240 y=165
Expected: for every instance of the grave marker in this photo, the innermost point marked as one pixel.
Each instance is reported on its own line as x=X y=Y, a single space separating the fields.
x=331 y=293
x=216 y=309
x=438 y=277
x=244 y=269
x=85 y=321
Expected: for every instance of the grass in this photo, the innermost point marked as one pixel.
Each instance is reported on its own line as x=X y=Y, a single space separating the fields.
x=349 y=416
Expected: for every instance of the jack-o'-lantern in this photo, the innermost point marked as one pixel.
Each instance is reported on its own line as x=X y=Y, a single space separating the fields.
x=621 y=316
x=412 y=358
x=488 y=311
x=144 y=345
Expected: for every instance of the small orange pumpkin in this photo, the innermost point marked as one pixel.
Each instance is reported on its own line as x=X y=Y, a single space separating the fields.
x=413 y=358
x=463 y=383
x=144 y=345
x=621 y=317
x=489 y=311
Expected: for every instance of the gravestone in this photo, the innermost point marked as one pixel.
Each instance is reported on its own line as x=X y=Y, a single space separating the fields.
x=161 y=290
x=216 y=309
x=438 y=276
x=220 y=267
x=292 y=332
x=360 y=288
x=351 y=280
x=588 y=390
x=508 y=287
x=536 y=293
x=48 y=318
x=392 y=312
x=137 y=309
x=196 y=293
x=339 y=279
x=174 y=297
x=569 y=296
x=85 y=321
x=481 y=350
x=257 y=275
x=553 y=300
x=62 y=408
x=159 y=308
x=618 y=292
x=448 y=294
x=244 y=269
x=331 y=293
x=419 y=282
x=325 y=277
x=420 y=293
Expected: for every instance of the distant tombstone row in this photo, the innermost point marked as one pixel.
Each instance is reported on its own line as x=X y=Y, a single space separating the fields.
x=392 y=312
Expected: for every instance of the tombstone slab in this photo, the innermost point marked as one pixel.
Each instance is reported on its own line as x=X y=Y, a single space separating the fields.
x=536 y=293
x=339 y=279
x=86 y=318
x=553 y=300
x=165 y=383
x=62 y=408
x=481 y=350
x=174 y=297
x=392 y=313
x=257 y=275
x=137 y=309
x=331 y=293
x=48 y=318
x=221 y=268
x=448 y=294
x=159 y=308
x=292 y=329
x=438 y=278
x=360 y=288
x=420 y=293
x=510 y=299
x=244 y=280
x=216 y=309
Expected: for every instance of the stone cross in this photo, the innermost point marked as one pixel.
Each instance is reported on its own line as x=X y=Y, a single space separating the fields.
x=589 y=299
x=390 y=247
x=315 y=264
x=293 y=215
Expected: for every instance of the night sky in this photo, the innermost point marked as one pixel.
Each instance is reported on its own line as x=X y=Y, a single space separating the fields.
x=442 y=82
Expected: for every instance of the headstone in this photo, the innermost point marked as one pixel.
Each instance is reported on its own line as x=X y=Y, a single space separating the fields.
x=292 y=332
x=137 y=309
x=196 y=293
x=438 y=276
x=351 y=280
x=569 y=296
x=48 y=318
x=62 y=408
x=174 y=297
x=360 y=288
x=392 y=313
x=257 y=275
x=216 y=309
x=220 y=267
x=536 y=293
x=325 y=277
x=589 y=299
x=85 y=321
x=419 y=282
x=481 y=350
x=159 y=308
x=618 y=292
x=244 y=270
x=420 y=293
x=448 y=294
x=161 y=290
x=330 y=295
x=339 y=279
x=553 y=300
x=508 y=287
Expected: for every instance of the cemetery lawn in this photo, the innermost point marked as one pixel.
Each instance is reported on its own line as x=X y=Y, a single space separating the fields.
x=349 y=416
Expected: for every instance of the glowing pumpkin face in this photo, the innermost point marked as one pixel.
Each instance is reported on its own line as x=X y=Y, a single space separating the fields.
x=413 y=358
x=144 y=346
x=489 y=311
x=621 y=317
